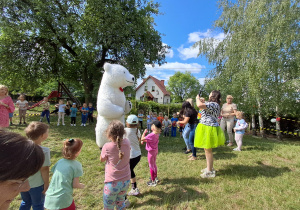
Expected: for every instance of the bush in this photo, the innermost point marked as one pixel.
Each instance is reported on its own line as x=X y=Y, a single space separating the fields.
x=154 y=107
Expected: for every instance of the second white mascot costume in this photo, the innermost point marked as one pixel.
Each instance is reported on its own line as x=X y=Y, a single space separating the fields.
x=111 y=101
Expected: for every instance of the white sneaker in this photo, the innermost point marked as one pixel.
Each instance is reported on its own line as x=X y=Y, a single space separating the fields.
x=152 y=183
x=81 y=124
x=208 y=174
x=57 y=124
x=134 y=192
x=71 y=124
x=127 y=203
x=84 y=125
x=205 y=169
x=74 y=125
x=63 y=124
x=156 y=179
x=237 y=149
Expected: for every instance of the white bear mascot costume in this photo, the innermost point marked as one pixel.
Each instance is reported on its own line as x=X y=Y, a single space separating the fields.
x=111 y=101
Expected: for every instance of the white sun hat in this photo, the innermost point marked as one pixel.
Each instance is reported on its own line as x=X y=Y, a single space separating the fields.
x=132 y=119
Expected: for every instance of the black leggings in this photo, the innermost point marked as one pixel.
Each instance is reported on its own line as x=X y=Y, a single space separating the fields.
x=73 y=120
x=90 y=118
x=133 y=162
x=141 y=124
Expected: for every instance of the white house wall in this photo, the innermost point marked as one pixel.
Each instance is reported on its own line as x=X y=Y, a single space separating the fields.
x=160 y=96
x=167 y=99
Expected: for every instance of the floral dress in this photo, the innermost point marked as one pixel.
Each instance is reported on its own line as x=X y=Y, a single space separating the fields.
x=4 y=111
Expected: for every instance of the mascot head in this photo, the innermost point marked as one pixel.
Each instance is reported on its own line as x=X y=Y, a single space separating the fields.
x=117 y=76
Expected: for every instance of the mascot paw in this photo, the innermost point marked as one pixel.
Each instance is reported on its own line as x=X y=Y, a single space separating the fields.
x=128 y=107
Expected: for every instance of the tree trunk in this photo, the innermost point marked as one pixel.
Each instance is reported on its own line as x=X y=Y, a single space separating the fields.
x=253 y=125
x=88 y=85
x=260 y=120
x=88 y=93
x=278 y=133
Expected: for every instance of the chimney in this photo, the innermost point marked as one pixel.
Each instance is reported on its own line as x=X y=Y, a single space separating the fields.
x=162 y=82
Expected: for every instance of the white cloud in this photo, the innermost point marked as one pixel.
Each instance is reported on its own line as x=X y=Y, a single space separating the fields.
x=220 y=36
x=202 y=81
x=165 y=71
x=187 y=53
x=170 y=52
x=191 y=52
x=196 y=36
x=160 y=75
x=176 y=66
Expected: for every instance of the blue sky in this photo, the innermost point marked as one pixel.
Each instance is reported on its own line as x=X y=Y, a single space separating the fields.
x=183 y=23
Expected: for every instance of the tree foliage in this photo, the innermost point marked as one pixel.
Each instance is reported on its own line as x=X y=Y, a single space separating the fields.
x=183 y=86
x=71 y=40
x=258 y=61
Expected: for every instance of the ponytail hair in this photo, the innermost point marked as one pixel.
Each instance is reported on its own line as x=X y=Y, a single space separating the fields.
x=215 y=97
x=119 y=141
x=71 y=148
x=115 y=133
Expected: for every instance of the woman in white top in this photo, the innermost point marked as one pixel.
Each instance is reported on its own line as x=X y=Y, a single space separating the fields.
x=228 y=113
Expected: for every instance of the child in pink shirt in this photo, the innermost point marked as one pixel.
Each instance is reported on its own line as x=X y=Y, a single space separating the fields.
x=116 y=154
x=152 y=148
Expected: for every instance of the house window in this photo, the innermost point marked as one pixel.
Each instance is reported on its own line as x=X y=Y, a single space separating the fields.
x=146 y=87
x=153 y=88
x=142 y=98
x=155 y=99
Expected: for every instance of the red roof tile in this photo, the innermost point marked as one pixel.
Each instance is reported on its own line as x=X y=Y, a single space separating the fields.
x=159 y=83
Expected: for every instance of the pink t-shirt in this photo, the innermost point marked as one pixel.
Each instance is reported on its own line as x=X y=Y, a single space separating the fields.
x=152 y=142
x=115 y=170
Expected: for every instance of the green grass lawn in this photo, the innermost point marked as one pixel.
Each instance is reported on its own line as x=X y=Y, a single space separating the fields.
x=265 y=175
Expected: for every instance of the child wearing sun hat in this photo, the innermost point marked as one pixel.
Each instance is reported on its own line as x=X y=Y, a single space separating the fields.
x=133 y=134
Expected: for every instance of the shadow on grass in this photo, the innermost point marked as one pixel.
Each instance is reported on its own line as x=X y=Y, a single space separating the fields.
x=176 y=191
x=185 y=181
x=170 y=198
x=224 y=155
x=243 y=171
x=260 y=148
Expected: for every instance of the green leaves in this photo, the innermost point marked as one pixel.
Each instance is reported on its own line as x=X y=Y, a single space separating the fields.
x=71 y=40
x=183 y=86
x=258 y=57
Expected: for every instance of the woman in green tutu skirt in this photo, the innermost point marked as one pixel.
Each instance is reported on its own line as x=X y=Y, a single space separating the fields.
x=208 y=132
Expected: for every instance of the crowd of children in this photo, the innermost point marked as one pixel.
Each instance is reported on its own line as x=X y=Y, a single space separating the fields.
x=123 y=153
x=62 y=109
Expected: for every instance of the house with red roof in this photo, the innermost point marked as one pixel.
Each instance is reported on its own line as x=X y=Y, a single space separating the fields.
x=152 y=89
